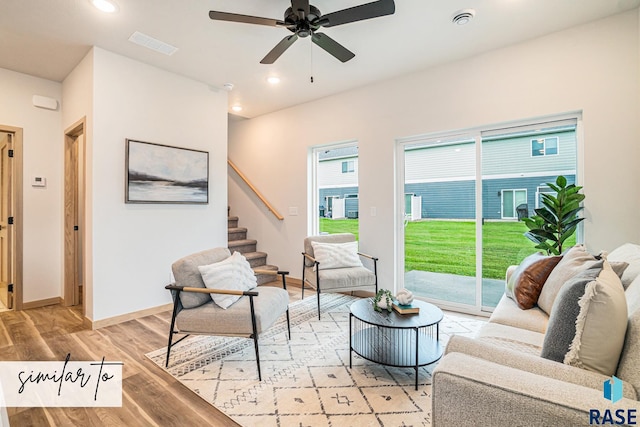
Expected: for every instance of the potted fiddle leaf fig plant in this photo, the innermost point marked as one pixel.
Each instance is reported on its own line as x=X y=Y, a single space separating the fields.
x=557 y=219
x=383 y=300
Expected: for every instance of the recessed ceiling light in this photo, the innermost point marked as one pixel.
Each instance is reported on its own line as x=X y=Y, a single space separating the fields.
x=236 y=108
x=463 y=17
x=273 y=80
x=108 y=6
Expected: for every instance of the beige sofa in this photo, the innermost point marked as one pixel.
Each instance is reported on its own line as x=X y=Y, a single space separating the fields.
x=500 y=379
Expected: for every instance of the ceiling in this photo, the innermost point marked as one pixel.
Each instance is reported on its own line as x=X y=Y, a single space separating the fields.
x=48 y=38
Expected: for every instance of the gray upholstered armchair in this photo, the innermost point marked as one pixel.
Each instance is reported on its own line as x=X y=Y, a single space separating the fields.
x=333 y=275
x=194 y=311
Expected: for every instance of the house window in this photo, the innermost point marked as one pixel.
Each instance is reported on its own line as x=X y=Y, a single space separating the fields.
x=348 y=166
x=544 y=146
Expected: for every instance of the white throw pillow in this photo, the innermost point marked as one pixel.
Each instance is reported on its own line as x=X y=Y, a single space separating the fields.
x=233 y=273
x=573 y=262
x=336 y=255
x=600 y=326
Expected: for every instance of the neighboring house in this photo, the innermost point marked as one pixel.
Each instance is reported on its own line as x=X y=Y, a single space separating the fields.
x=516 y=169
x=338 y=181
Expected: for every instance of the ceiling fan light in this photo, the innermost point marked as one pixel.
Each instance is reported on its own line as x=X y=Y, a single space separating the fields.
x=107 y=6
x=274 y=80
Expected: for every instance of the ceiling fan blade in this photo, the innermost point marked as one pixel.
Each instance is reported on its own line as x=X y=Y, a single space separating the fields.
x=275 y=53
x=332 y=46
x=246 y=19
x=300 y=7
x=358 y=13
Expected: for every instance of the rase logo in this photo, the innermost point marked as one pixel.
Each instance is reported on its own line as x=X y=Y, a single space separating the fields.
x=612 y=390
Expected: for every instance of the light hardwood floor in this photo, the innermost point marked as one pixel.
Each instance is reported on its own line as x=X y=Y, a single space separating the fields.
x=150 y=396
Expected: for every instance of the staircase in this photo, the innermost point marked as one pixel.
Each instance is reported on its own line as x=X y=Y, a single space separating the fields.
x=238 y=242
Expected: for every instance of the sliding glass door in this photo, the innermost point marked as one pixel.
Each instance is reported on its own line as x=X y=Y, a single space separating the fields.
x=440 y=212
x=473 y=191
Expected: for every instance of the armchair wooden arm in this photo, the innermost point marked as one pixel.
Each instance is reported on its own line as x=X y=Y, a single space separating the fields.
x=275 y=273
x=211 y=291
x=310 y=258
x=368 y=256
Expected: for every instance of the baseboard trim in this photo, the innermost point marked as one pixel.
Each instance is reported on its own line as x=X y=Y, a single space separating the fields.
x=109 y=321
x=294 y=282
x=41 y=303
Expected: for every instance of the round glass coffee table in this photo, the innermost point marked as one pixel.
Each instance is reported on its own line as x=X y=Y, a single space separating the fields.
x=392 y=339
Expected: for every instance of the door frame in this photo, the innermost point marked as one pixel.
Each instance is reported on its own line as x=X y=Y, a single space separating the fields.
x=17 y=229
x=74 y=199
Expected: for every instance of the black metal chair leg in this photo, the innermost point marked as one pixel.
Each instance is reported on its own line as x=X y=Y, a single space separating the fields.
x=303 y=266
x=318 y=288
x=171 y=330
x=288 y=324
x=255 y=336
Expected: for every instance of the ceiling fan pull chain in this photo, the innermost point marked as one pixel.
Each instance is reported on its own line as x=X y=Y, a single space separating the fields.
x=311 y=58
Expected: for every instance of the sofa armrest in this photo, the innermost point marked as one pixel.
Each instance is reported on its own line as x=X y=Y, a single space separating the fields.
x=471 y=391
x=532 y=364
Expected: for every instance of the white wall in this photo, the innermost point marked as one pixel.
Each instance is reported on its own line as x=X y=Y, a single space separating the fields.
x=133 y=245
x=595 y=68
x=42 y=207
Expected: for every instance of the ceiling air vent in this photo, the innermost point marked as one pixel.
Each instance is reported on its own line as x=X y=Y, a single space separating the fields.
x=151 y=43
x=463 y=17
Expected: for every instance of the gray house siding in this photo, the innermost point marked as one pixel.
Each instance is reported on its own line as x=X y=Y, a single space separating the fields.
x=351 y=203
x=492 y=188
x=456 y=199
x=452 y=199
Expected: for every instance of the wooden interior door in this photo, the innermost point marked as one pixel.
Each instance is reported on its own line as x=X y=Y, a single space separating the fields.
x=6 y=296
x=73 y=215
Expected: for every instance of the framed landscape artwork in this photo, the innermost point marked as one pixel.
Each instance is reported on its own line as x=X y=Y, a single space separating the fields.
x=158 y=173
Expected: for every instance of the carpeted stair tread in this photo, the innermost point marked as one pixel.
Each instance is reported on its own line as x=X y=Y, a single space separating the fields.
x=266 y=267
x=236 y=229
x=242 y=246
x=256 y=258
x=266 y=278
x=236 y=233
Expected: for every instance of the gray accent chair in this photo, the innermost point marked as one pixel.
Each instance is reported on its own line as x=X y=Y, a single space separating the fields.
x=194 y=312
x=338 y=279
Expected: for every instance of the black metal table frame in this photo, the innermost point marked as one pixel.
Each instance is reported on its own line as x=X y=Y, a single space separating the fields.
x=416 y=329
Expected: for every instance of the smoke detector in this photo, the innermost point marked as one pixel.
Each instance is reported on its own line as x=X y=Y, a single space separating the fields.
x=228 y=87
x=463 y=17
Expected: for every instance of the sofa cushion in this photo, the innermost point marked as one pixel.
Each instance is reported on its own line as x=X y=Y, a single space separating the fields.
x=512 y=338
x=588 y=321
x=345 y=278
x=270 y=304
x=336 y=255
x=508 y=313
x=574 y=261
x=233 y=273
x=186 y=273
x=630 y=356
x=526 y=282
x=629 y=253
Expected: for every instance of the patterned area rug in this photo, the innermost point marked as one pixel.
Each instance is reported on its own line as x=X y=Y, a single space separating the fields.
x=306 y=381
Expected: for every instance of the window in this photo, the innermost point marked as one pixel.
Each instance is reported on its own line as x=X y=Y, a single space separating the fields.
x=348 y=166
x=544 y=146
x=511 y=200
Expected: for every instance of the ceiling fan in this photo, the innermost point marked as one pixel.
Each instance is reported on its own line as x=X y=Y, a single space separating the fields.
x=303 y=20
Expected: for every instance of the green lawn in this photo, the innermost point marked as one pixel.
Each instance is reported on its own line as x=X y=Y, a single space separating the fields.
x=449 y=246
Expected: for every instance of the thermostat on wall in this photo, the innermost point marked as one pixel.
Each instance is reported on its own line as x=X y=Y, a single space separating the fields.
x=39 y=181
